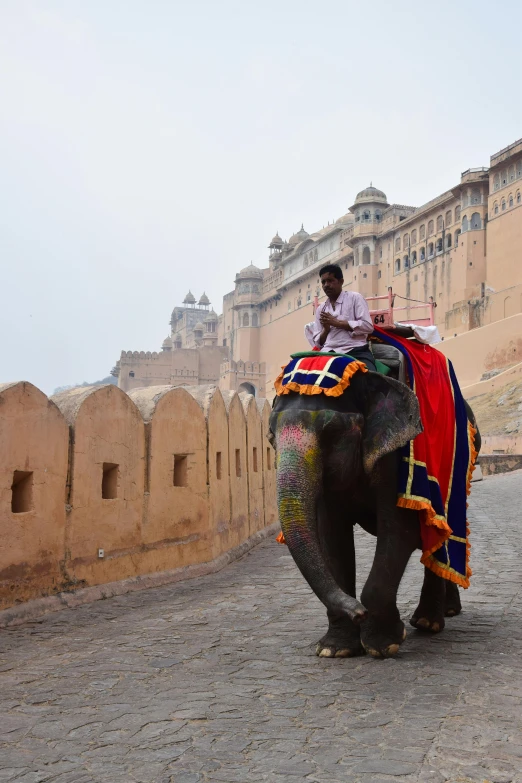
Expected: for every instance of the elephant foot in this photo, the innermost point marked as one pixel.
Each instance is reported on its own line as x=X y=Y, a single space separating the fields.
x=426 y=619
x=452 y=605
x=382 y=643
x=342 y=640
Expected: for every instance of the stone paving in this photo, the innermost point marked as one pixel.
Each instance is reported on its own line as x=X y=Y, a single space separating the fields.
x=216 y=680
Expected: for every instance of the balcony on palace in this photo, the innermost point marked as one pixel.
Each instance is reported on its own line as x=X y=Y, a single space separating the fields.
x=272 y=281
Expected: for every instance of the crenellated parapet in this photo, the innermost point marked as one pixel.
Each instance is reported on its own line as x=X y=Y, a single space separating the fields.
x=99 y=486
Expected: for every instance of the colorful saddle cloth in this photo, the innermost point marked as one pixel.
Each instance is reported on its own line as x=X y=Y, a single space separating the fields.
x=318 y=373
x=436 y=467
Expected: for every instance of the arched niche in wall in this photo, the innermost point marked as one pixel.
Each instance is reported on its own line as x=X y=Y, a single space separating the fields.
x=269 y=455
x=107 y=481
x=254 y=464
x=238 y=472
x=34 y=445
x=210 y=399
x=176 y=514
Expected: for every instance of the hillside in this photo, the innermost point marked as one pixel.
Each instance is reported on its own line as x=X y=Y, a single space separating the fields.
x=499 y=412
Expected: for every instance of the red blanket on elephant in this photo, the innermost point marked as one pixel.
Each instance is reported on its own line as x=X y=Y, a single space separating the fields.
x=436 y=466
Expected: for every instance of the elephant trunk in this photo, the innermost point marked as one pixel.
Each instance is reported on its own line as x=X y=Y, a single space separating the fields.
x=299 y=480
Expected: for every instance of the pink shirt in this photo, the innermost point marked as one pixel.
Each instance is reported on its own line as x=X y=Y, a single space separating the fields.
x=352 y=308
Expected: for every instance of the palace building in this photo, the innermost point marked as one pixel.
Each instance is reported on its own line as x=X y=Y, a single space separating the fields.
x=189 y=356
x=463 y=248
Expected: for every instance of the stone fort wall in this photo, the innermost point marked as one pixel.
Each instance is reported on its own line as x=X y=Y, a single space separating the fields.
x=97 y=485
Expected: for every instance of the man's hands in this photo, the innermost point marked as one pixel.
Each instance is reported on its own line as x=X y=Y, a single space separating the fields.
x=328 y=321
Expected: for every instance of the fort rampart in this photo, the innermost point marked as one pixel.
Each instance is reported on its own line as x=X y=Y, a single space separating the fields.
x=98 y=486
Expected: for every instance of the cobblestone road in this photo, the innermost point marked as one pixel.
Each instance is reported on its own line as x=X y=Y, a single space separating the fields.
x=216 y=680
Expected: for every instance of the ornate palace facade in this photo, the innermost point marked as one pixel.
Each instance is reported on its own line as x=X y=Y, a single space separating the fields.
x=463 y=248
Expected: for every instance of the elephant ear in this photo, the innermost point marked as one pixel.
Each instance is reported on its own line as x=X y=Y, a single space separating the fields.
x=392 y=417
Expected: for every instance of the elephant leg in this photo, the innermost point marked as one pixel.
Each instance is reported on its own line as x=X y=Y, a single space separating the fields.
x=342 y=640
x=452 y=605
x=397 y=537
x=429 y=615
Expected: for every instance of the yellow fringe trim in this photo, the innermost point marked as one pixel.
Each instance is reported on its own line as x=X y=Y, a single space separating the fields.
x=427 y=559
x=310 y=389
x=432 y=518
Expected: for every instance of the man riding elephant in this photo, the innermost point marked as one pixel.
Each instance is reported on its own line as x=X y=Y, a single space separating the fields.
x=342 y=322
x=348 y=442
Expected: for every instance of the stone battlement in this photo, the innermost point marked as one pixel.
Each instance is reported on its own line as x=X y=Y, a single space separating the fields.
x=97 y=485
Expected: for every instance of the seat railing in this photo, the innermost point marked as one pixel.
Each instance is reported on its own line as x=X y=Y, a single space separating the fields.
x=386 y=316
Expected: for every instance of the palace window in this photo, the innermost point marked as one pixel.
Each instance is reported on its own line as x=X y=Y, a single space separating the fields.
x=465 y=223
x=430 y=250
x=405 y=241
x=406 y=262
x=430 y=228
x=448 y=218
x=414 y=237
x=503 y=203
x=518 y=197
x=457 y=235
x=398 y=243
x=496 y=182
x=457 y=214
x=495 y=208
x=422 y=231
x=448 y=240
x=475 y=196
x=423 y=254
x=511 y=201
x=397 y=264
x=476 y=222
x=414 y=257
x=246 y=320
x=439 y=223
x=439 y=245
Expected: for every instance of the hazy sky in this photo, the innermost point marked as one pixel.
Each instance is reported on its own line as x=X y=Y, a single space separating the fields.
x=150 y=147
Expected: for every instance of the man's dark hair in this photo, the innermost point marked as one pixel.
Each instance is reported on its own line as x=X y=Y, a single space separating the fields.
x=333 y=269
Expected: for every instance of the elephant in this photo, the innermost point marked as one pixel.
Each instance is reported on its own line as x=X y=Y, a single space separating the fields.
x=337 y=464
